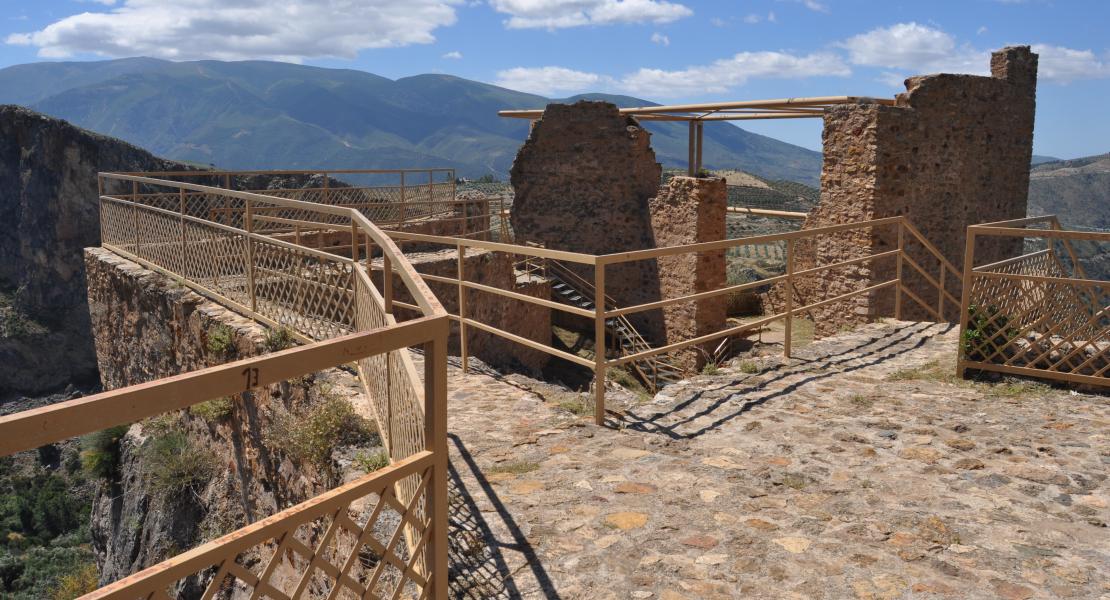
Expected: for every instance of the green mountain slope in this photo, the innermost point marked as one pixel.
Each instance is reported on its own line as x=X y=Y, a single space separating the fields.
x=258 y=114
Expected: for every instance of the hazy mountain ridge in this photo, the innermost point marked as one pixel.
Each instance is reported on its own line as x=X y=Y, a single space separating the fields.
x=258 y=114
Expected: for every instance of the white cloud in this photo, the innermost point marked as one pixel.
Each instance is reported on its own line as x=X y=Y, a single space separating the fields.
x=771 y=17
x=718 y=22
x=982 y=29
x=454 y=54
x=1064 y=65
x=555 y=14
x=549 y=81
x=659 y=38
x=917 y=49
x=753 y=19
x=813 y=5
x=725 y=74
x=240 y=29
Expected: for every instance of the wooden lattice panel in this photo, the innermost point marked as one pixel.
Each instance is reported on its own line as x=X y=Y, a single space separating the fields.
x=1034 y=317
x=345 y=543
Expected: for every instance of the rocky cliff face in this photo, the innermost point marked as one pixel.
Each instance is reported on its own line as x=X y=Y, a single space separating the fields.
x=188 y=477
x=49 y=212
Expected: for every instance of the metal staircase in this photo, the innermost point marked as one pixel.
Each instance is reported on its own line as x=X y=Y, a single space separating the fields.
x=569 y=288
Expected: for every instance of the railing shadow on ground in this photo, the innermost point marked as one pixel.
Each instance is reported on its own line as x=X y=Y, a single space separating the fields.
x=885 y=348
x=478 y=567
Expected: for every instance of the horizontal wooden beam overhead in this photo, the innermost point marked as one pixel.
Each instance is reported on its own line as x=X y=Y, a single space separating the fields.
x=781 y=108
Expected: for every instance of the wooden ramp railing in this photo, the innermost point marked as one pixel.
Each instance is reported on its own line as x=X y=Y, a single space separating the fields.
x=1038 y=313
x=330 y=304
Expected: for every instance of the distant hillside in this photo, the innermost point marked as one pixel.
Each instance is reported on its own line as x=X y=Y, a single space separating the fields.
x=258 y=114
x=1078 y=191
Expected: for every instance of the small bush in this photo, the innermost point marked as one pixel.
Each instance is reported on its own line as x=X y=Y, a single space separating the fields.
x=986 y=330
x=371 y=461
x=749 y=367
x=278 y=339
x=100 y=451
x=313 y=434
x=212 y=411
x=221 y=342
x=81 y=581
x=175 y=464
x=710 y=368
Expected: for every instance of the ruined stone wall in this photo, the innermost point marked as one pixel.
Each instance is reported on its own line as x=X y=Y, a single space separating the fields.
x=518 y=317
x=953 y=151
x=690 y=210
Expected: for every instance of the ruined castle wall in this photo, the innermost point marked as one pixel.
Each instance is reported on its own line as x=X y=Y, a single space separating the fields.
x=494 y=269
x=689 y=210
x=953 y=151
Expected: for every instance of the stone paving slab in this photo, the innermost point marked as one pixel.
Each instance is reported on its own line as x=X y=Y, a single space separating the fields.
x=858 y=469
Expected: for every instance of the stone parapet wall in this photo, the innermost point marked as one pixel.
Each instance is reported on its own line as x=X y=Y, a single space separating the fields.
x=494 y=269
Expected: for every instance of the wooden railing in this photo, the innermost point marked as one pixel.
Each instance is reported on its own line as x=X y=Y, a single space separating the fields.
x=945 y=307
x=330 y=304
x=1038 y=313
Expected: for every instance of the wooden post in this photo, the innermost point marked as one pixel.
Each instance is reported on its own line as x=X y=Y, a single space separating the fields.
x=387 y=282
x=599 y=343
x=402 y=221
x=690 y=169
x=227 y=180
x=327 y=190
x=248 y=218
x=789 y=323
x=940 y=292
x=431 y=186
x=181 y=256
x=898 y=270
x=501 y=219
x=354 y=241
x=135 y=215
x=462 y=308
x=965 y=297
x=435 y=441
x=701 y=130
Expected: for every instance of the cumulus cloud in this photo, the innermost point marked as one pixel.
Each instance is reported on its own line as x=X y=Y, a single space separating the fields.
x=659 y=38
x=549 y=81
x=916 y=49
x=1064 y=65
x=556 y=14
x=725 y=74
x=241 y=29
x=454 y=54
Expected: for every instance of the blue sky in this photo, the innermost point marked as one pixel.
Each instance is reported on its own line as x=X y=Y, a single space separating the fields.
x=662 y=50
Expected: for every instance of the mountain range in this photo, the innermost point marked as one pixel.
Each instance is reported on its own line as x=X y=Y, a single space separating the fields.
x=259 y=114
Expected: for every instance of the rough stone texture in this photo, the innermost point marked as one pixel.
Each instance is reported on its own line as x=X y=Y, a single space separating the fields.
x=952 y=152
x=145 y=327
x=861 y=469
x=586 y=180
x=689 y=210
x=494 y=269
x=48 y=205
x=582 y=182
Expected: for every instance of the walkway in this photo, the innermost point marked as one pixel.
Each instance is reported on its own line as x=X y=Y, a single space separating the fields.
x=860 y=469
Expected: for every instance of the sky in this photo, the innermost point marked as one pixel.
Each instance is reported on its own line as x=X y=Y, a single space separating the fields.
x=667 y=51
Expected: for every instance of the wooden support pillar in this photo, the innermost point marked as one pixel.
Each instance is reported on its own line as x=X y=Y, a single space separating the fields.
x=387 y=282
x=898 y=271
x=248 y=217
x=940 y=291
x=789 y=328
x=691 y=169
x=462 y=308
x=701 y=129
x=327 y=189
x=435 y=441
x=402 y=217
x=181 y=255
x=965 y=297
x=599 y=343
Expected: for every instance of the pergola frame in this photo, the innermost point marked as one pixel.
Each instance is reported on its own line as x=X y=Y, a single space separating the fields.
x=747 y=110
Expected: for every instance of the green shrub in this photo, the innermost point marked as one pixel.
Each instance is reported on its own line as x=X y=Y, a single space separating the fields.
x=100 y=451
x=749 y=367
x=372 y=461
x=986 y=331
x=214 y=410
x=221 y=342
x=37 y=573
x=710 y=368
x=312 y=435
x=83 y=580
x=175 y=464
x=278 y=339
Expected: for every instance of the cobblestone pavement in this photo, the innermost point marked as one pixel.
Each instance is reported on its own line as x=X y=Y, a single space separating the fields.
x=859 y=469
